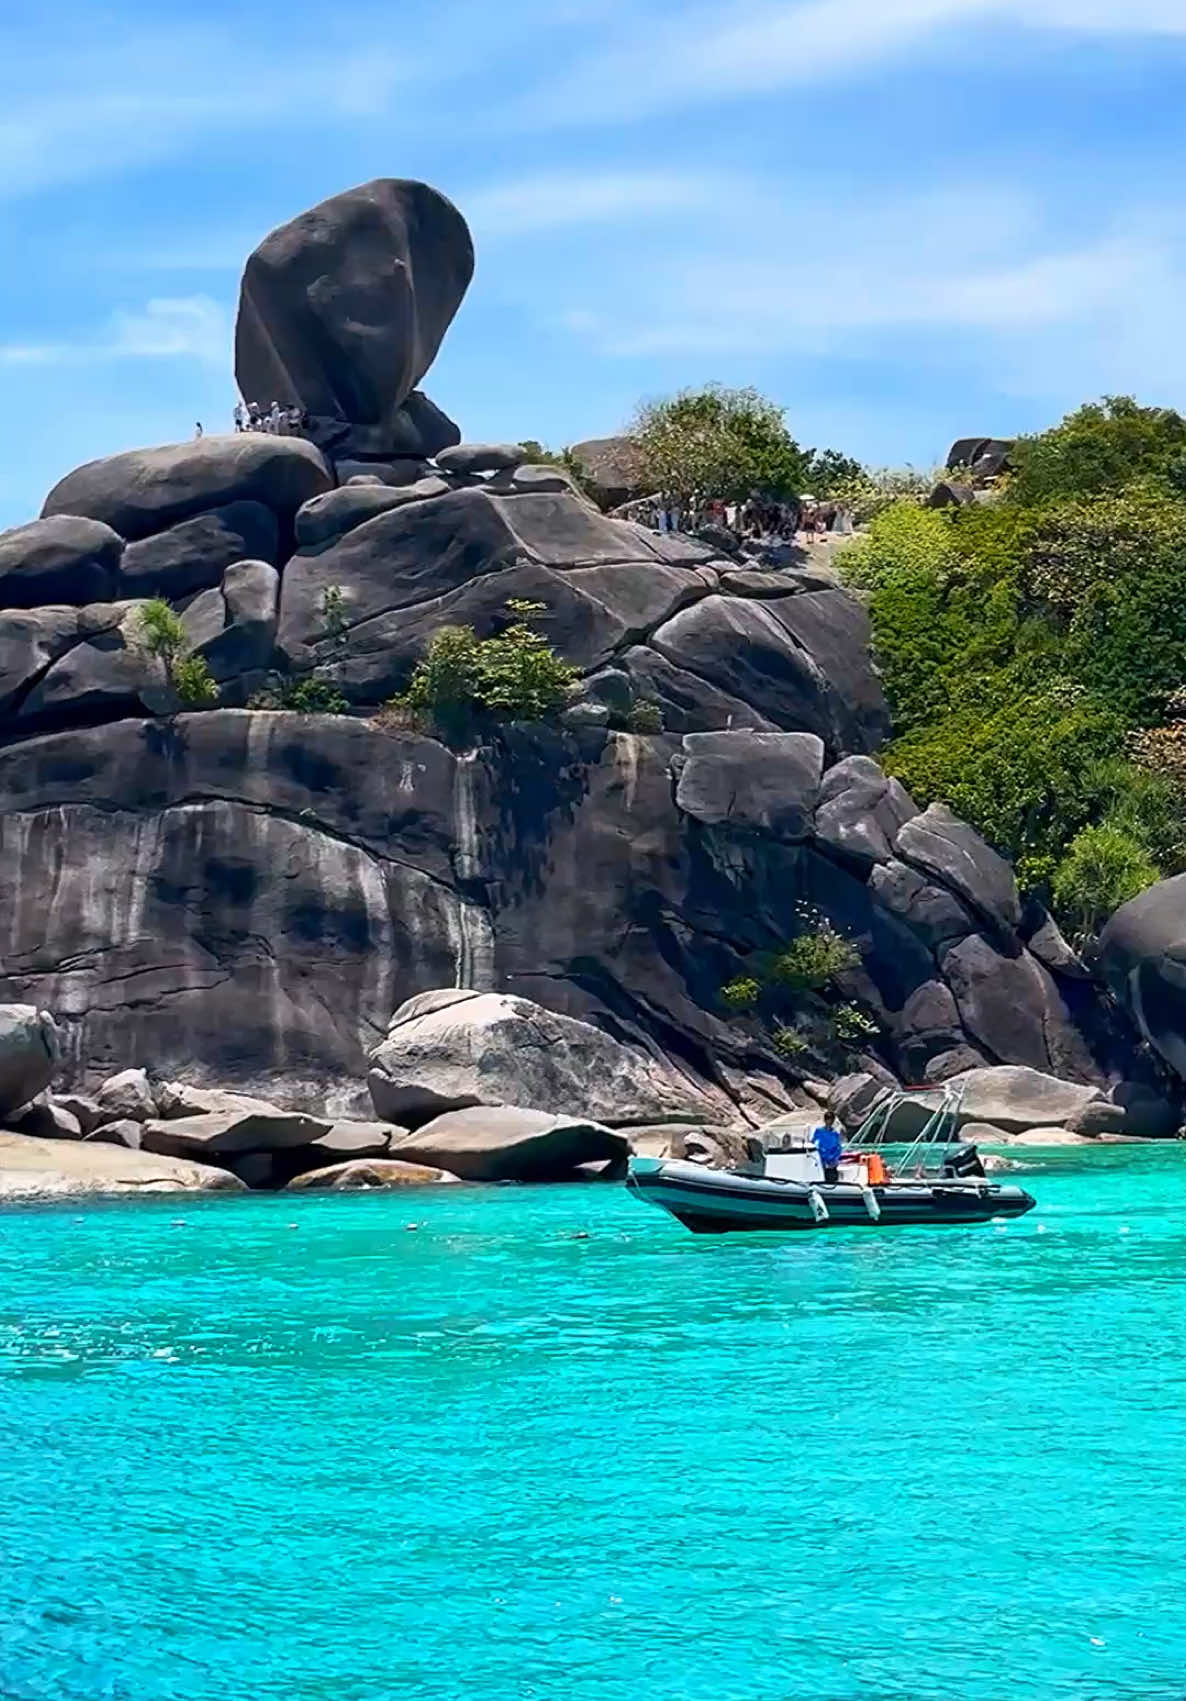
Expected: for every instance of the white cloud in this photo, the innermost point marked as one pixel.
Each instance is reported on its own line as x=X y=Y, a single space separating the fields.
x=89 y=107
x=181 y=328
x=925 y=281
x=718 y=52
x=549 y=201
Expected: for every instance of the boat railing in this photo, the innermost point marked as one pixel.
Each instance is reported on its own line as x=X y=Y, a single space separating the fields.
x=941 y=1127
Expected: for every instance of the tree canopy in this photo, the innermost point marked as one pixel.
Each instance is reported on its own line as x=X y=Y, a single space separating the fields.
x=1102 y=446
x=1034 y=648
x=718 y=444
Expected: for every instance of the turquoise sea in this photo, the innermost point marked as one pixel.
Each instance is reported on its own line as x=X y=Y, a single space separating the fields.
x=293 y=1447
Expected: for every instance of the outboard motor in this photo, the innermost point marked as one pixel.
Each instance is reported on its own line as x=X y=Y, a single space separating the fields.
x=961 y=1162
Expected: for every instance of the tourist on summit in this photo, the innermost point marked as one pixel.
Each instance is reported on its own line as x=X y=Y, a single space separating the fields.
x=276 y=420
x=829 y=1145
x=253 y=419
x=240 y=417
x=197 y=428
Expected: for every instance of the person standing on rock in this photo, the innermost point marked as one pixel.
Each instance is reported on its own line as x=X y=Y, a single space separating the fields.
x=254 y=422
x=276 y=421
x=240 y=417
x=197 y=428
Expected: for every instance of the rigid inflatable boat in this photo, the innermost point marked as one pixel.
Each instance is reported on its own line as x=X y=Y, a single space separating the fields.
x=936 y=1180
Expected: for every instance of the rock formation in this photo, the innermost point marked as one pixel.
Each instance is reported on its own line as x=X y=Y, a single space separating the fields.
x=240 y=897
x=342 y=311
x=1143 y=957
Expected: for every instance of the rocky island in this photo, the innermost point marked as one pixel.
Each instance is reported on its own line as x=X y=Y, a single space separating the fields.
x=288 y=938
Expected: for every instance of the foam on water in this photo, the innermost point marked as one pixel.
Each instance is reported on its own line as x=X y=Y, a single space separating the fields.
x=282 y=1447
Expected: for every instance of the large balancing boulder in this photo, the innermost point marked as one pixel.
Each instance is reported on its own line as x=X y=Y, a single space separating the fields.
x=1143 y=957
x=450 y=1049
x=144 y=491
x=29 y=1051
x=342 y=310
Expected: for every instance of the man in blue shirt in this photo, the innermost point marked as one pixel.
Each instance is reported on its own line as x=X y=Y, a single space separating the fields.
x=829 y=1146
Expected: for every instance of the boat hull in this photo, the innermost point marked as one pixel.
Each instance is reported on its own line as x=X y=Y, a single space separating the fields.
x=709 y=1201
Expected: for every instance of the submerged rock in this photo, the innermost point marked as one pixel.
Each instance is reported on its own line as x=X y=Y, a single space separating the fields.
x=360 y=1173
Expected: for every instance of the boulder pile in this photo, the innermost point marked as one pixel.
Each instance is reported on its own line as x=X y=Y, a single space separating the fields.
x=239 y=894
x=489 y=1089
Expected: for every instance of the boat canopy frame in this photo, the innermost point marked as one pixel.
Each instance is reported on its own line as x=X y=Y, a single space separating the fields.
x=941 y=1129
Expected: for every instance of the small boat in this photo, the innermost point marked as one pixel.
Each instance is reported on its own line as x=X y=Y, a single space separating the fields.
x=937 y=1179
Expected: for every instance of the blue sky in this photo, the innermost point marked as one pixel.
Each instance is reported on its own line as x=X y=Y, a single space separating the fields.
x=906 y=220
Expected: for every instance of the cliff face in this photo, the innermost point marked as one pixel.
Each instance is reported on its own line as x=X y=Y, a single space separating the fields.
x=245 y=895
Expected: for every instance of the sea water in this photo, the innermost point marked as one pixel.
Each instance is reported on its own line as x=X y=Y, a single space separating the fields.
x=529 y=1442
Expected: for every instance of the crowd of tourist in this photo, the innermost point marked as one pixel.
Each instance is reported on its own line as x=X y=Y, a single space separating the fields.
x=280 y=422
x=759 y=518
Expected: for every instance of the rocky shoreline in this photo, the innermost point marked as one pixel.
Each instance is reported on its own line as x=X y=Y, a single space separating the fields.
x=455 y=1066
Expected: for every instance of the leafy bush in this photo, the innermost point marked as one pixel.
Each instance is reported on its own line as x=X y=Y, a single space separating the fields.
x=514 y=676
x=307 y=695
x=790 y=1043
x=335 y=620
x=827 y=471
x=162 y=631
x=1104 y=867
x=520 y=677
x=717 y=444
x=163 y=634
x=852 y=1026
x=194 y=683
x=870 y=491
x=312 y=696
x=443 y=689
x=814 y=961
x=741 y=994
x=646 y=716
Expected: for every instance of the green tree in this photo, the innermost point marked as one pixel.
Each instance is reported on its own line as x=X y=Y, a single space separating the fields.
x=163 y=635
x=520 y=677
x=1102 y=446
x=717 y=444
x=1103 y=868
x=827 y=471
